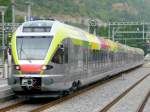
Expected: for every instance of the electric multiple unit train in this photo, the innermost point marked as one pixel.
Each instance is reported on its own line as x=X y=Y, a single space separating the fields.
x=51 y=58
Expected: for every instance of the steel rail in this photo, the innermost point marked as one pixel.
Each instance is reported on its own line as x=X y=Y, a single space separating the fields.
x=141 y=108
x=12 y=106
x=119 y=97
x=64 y=98
x=78 y=92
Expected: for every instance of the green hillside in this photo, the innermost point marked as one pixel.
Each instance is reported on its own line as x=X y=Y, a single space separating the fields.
x=106 y=10
x=8 y=11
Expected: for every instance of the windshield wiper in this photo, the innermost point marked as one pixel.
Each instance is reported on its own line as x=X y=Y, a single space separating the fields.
x=21 y=50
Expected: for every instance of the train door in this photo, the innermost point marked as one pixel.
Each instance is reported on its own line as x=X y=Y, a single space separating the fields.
x=75 y=63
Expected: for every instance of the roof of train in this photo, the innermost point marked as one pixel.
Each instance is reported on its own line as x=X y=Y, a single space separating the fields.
x=82 y=37
x=96 y=42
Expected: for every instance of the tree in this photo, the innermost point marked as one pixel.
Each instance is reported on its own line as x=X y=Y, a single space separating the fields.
x=8 y=13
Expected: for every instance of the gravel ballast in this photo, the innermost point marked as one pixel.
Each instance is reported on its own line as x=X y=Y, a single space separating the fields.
x=95 y=99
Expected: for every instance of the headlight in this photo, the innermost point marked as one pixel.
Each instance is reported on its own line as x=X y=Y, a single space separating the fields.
x=17 y=67
x=47 y=67
x=44 y=67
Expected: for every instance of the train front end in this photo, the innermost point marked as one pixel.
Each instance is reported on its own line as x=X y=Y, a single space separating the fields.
x=31 y=52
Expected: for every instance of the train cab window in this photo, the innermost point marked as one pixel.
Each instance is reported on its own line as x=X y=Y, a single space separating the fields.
x=61 y=55
x=32 y=47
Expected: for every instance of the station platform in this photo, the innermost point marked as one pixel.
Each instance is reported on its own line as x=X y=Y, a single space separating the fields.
x=5 y=91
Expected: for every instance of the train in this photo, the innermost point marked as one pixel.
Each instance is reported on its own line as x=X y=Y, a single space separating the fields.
x=51 y=58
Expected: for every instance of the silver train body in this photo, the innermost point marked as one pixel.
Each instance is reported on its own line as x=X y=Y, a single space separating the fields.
x=78 y=66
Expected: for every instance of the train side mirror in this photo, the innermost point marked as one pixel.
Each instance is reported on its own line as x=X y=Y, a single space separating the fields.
x=9 y=51
x=61 y=49
x=59 y=55
x=61 y=46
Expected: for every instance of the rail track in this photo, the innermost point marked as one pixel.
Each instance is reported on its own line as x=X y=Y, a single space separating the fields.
x=12 y=106
x=50 y=104
x=62 y=99
x=46 y=105
x=141 y=108
x=78 y=92
x=119 y=97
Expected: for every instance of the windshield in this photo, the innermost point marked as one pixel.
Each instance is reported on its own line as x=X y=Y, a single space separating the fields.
x=32 y=47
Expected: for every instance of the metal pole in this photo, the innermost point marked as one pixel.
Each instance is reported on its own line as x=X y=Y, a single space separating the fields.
x=28 y=10
x=109 y=30
x=89 y=27
x=3 y=44
x=13 y=15
x=2 y=10
x=143 y=30
x=3 y=35
x=113 y=34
